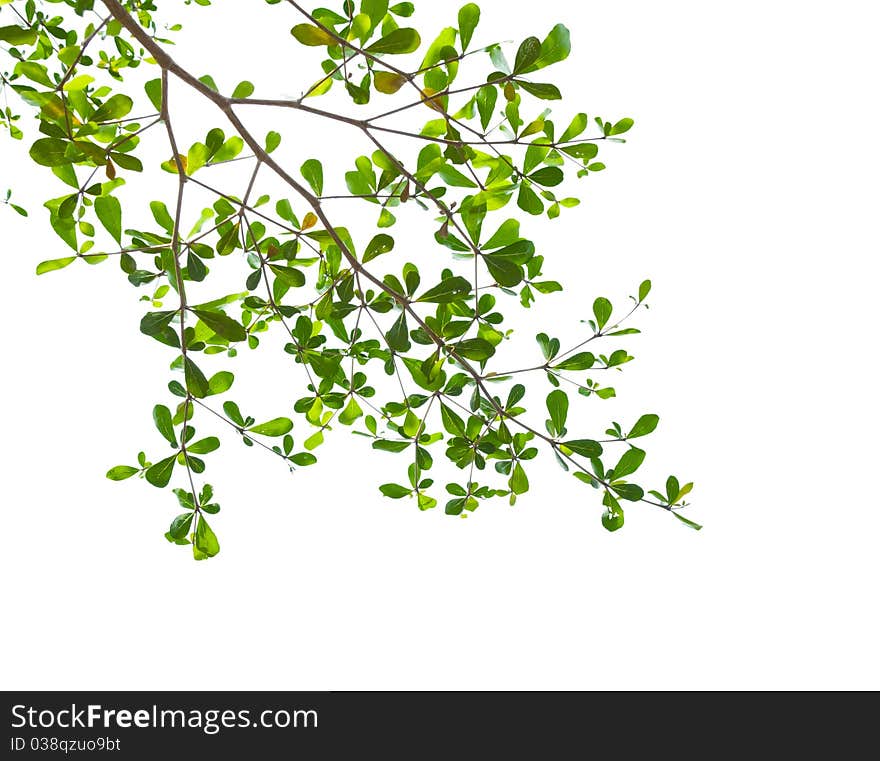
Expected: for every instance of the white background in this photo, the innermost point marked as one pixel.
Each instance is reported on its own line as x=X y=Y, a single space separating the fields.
x=747 y=192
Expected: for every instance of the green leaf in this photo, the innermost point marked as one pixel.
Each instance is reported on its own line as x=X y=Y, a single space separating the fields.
x=181 y=525
x=76 y=84
x=398 y=337
x=688 y=523
x=451 y=421
x=555 y=47
x=477 y=349
x=380 y=244
x=223 y=325
x=403 y=40
x=220 y=382
x=16 y=35
x=549 y=176
x=388 y=82
x=375 y=10
x=115 y=107
x=351 y=412
x=487 y=97
x=602 y=311
x=631 y=492
x=50 y=265
x=243 y=90
x=121 y=472
x=154 y=323
x=109 y=211
x=557 y=406
x=612 y=518
x=644 y=290
x=576 y=127
x=204 y=446
x=527 y=54
x=290 y=276
x=519 y=483
x=629 y=462
x=505 y=264
x=542 y=91
x=395 y=491
x=644 y=425
x=624 y=125
x=582 y=151
x=160 y=474
x=162 y=419
x=391 y=446
x=528 y=200
x=205 y=544
x=468 y=18
x=448 y=290
x=313 y=173
x=153 y=88
x=276 y=427
x=50 y=151
x=273 y=140
x=196 y=382
x=584 y=447
x=312 y=35
x=581 y=361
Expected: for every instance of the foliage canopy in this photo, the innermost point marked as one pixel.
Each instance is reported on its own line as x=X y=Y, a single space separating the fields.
x=352 y=314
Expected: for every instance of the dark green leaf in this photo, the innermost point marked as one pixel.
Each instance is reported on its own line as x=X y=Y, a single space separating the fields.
x=549 y=176
x=612 y=518
x=477 y=349
x=162 y=419
x=196 y=382
x=391 y=446
x=542 y=91
x=154 y=323
x=16 y=35
x=629 y=462
x=448 y=290
x=527 y=54
x=380 y=244
x=584 y=447
x=181 y=525
x=557 y=406
x=160 y=473
x=398 y=337
x=290 y=276
x=395 y=491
